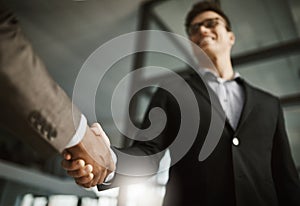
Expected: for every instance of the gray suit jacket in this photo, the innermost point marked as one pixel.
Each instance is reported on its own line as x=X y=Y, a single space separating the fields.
x=33 y=106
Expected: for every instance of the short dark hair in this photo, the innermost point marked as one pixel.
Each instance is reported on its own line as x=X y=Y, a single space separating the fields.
x=201 y=7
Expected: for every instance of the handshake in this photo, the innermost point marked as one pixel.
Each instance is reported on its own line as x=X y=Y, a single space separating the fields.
x=90 y=161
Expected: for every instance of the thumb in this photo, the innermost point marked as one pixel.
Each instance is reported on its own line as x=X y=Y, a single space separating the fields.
x=97 y=129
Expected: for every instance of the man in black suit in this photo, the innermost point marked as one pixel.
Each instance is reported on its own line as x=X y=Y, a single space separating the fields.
x=252 y=162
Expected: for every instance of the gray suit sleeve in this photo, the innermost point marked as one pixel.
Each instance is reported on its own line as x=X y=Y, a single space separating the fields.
x=33 y=106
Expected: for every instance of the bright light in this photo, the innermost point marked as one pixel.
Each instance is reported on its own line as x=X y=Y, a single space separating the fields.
x=144 y=195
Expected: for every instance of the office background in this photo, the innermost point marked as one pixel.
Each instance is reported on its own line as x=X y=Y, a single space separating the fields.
x=65 y=33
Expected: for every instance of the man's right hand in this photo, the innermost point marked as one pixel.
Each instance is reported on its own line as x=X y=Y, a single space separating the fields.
x=94 y=150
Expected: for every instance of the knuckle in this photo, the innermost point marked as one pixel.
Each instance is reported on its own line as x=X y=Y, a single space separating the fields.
x=81 y=173
x=84 y=180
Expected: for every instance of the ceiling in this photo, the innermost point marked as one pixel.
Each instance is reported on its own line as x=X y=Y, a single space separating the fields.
x=64 y=33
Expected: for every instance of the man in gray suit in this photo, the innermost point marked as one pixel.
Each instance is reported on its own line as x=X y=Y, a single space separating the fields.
x=38 y=111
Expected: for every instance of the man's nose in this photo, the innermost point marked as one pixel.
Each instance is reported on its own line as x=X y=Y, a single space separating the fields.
x=203 y=30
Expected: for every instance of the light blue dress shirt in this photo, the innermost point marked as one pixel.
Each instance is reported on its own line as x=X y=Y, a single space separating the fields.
x=231 y=94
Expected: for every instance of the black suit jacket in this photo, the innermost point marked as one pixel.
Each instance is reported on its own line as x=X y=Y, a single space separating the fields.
x=257 y=171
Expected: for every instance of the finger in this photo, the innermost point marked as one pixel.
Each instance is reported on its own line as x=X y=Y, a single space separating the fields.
x=96 y=179
x=102 y=177
x=66 y=155
x=85 y=171
x=71 y=165
x=99 y=178
x=85 y=181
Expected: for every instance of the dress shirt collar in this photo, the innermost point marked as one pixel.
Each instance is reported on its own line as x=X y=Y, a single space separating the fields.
x=210 y=75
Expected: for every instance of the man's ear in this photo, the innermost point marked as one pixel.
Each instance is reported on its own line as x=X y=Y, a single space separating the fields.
x=232 y=38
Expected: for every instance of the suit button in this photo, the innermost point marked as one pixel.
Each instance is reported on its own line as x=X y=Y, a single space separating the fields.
x=235 y=141
x=52 y=134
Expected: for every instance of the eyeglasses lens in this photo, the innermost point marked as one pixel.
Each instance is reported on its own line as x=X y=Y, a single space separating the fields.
x=208 y=23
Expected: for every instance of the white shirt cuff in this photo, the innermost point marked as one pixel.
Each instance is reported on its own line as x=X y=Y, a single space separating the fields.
x=79 y=134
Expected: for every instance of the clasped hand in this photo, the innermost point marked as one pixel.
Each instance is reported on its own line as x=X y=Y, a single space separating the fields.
x=90 y=161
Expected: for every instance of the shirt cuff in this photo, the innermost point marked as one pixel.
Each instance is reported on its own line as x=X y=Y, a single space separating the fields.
x=79 y=134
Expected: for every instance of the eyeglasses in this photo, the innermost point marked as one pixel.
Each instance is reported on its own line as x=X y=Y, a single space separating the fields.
x=208 y=23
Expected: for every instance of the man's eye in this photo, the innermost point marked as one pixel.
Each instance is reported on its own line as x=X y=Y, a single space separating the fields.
x=209 y=24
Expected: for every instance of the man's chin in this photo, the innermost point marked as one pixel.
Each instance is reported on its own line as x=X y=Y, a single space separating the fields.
x=206 y=48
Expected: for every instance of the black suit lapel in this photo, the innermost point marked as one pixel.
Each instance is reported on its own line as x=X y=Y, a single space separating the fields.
x=208 y=94
x=248 y=104
x=218 y=118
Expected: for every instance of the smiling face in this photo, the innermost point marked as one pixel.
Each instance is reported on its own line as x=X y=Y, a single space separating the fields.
x=209 y=31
